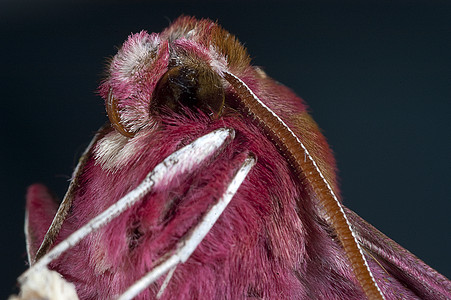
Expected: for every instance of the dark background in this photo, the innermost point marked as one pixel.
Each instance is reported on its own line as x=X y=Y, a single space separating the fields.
x=377 y=77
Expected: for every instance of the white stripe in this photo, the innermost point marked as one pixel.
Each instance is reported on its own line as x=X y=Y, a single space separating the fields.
x=178 y=162
x=165 y=283
x=307 y=153
x=27 y=237
x=186 y=247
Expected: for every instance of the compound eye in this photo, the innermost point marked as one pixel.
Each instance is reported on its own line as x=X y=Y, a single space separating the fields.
x=192 y=87
x=114 y=116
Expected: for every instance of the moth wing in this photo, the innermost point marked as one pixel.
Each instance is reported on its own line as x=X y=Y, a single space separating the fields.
x=402 y=265
x=40 y=209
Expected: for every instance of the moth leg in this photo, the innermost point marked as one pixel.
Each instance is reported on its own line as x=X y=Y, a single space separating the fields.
x=189 y=243
x=166 y=282
x=181 y=161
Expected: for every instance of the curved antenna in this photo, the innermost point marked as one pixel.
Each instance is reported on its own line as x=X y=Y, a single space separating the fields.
x=305 y=165
x=114 y=117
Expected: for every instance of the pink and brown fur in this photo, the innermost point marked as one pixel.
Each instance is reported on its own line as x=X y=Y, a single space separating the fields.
x=265 y=245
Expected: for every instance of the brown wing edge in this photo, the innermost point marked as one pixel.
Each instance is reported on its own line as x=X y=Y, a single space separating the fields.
x=417 y=276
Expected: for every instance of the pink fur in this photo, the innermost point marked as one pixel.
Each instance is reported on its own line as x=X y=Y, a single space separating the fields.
x=272 y=241
x=257 y=247
x=41 y=207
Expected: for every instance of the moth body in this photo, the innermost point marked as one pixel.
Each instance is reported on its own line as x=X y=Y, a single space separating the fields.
x=274 y=240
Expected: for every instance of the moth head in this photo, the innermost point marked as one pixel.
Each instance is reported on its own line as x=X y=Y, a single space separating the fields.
x=182 y=67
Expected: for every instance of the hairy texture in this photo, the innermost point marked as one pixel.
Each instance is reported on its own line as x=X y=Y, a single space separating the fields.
x=256 y=244
x=306 y=168
x=211 y=36
x=48 y=285
x=273 y=241
x=134 y=72
x=41 y=207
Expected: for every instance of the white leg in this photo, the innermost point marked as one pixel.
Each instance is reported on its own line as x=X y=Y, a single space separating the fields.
x=175 y=164
x=188 y=244
x=166 y=282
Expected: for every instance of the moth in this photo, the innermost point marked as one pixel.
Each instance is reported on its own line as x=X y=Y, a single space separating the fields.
x=210 y=181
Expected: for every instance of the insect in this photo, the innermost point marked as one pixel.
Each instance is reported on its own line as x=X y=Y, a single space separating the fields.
x=211 y=181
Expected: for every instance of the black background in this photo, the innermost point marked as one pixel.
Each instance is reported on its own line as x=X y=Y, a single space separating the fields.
x=377 y=77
